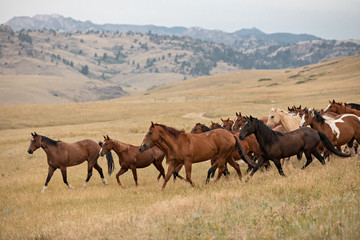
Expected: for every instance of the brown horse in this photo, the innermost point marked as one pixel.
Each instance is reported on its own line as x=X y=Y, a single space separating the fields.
x=275 y=145
x=190 y=148
x=131 y=158
x=215 y=125
x=341 y=130
x=227 y=124
x=62 y=155
x=339 y=108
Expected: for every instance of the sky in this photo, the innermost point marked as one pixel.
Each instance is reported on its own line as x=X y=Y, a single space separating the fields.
x=329 y=19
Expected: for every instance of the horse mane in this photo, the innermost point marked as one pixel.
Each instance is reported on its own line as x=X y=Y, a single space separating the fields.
x=203 y=127
x=267 y=132
x=318 y=116
x=170 y=130
x=353 y=105
x=49 y=141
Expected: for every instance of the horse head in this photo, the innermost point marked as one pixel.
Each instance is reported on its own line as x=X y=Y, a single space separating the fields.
x=248 y=128
x=35 y=143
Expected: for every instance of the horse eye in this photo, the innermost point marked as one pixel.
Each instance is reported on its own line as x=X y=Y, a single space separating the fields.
x=272 y=116
x=150 y=133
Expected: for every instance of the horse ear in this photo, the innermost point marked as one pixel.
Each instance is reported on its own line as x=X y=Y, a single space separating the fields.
x=32 y=134
x=228 y=119
x=104 y=137
x=107 y=137
x=35 y=134
x=152 y=124
x=251 y=118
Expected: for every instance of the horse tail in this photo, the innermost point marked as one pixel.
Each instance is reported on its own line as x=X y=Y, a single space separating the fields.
x=329 y=146
x=242 y=154
x=110 y=161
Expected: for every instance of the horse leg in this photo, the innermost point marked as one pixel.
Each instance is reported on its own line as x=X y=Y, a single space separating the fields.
x=176 y=172
x=318 y=156
x=50 y=173
x=188 y=172
x=221 y=167
x=90 y=168
x=278 y=166
x=133 y=169
x=159 y=167
x=100 y=171
x=63 y=172
x=211 y=171
x=308 y=160
x=170 y=171
x=261 y=160
x=235 y=165
x=121 y=171
x=213 y=168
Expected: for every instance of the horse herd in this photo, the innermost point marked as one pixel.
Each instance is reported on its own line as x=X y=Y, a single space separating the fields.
x=280 y=135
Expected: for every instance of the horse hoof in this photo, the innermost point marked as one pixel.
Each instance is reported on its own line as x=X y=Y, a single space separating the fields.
x=104 y=181
x=43 y=190
x=71 y=187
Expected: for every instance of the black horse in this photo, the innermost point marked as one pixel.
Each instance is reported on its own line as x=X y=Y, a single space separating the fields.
x=275 y=145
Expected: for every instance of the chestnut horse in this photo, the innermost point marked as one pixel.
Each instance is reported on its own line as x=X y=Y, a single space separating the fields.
x=339 y=108
x=62 y=155
x=247 y=148
x=227 y=124
x=275 y=145
x=131 y=158
x=341 y=130
x=187 y=148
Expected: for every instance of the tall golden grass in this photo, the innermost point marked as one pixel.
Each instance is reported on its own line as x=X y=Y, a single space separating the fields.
x=320 y=202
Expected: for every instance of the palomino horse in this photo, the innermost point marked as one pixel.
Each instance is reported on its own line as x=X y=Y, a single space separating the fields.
x=131 y=158
x=341 y=130
x=278 y=117
x=187 y=148
x=339 y=108
x=275 y=145
x=62 y=155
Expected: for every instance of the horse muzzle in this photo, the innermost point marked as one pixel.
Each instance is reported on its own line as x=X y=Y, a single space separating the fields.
x=101 y=154
x=143 y=147
x=30 y=151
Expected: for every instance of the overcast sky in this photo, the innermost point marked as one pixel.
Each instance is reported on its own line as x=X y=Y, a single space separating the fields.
x=329 y=19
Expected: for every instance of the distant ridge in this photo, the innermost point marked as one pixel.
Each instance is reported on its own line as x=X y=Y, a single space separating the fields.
x=68 y=24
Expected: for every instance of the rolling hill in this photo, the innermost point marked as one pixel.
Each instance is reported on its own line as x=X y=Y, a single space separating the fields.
x=53 y=67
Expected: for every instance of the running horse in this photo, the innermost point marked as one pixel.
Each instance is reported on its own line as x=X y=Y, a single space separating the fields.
x=341 y=130
x=275 y=145
x=188 y=148
x=62 y=155
x=131 y=158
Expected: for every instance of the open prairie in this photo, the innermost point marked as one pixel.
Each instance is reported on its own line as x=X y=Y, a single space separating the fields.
x=320 y=202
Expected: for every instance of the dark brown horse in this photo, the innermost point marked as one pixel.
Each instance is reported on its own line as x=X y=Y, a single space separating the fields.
x=341 y=130
x=187 y=148
x=62 y=155
x=131 y=158
x=339 y=108
x=275 y=145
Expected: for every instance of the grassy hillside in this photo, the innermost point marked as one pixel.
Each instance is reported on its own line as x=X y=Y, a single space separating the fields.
x=319 y=202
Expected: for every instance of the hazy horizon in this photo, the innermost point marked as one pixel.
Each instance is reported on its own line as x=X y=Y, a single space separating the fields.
x=326 y=19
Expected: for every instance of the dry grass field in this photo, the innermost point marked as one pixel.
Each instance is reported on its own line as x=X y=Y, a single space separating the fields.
x=320 y=202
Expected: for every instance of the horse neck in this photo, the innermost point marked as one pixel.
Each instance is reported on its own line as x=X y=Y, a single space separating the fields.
x=263 y=134
x=168 y=140
x=50 y=150
x=289 y=122
x=120 y=147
